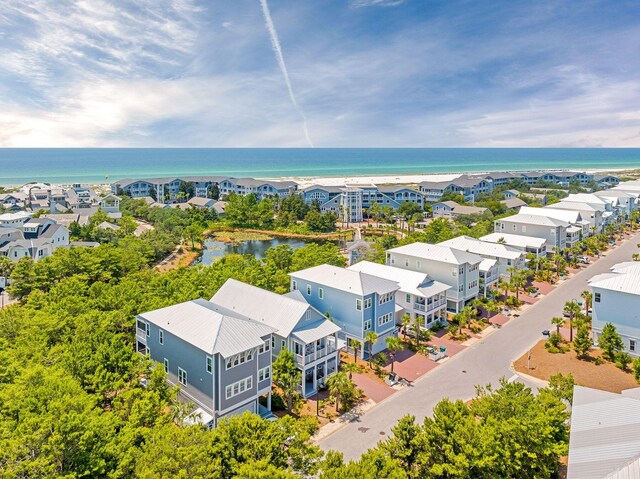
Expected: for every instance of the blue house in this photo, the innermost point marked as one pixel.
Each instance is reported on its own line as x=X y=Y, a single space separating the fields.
x=357 y=302
x=220 y=360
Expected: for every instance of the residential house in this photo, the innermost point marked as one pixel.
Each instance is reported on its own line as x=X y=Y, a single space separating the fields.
x=356 y=302
x=510 y=194
x=616 y=300
x=605 y=180
x=201 y=202
x=587 y=212
x=554 y=231
x=607 y=208
x=626 y=203
x=451 y=209
x=526 y=244
x=13 y=201
x=419 y=296
x=455 y=268
x=109 y=203
x=14 y=220
x=298 y=327
x=36 y=239
x=220 y=360
x=356 y=250
x=605 y=434
x=505 y=256
x=578 y=226
x=513 y=204
x=531 y=197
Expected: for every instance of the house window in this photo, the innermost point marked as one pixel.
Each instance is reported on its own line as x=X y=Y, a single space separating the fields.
x=182 y=376
x=161 y=336
x=264 y=373
x=265 y=346
x=385 y=298
x=367 y=303
x=408 y=298
x=308 y=289
x=406 y=262
x=359 y=304
x=294 y=285
x=148 y=329
x=298 y=349
x=418 y=264
x=238 y=387
x=367 y=325
x=273 y=342
x=166 y=365
x=283 y=344
x=632 y=345
x=320 y=293
x=596 y=297
x=384 y=319
x=209 y=364
x=238 y=359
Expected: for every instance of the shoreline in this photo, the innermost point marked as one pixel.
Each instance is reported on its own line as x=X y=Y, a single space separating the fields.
x=305 y=181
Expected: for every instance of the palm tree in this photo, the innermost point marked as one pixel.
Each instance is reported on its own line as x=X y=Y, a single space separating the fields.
x=505 y=286
x=350 y=368
x=572 y=309
x=557 y=322
x=393 y=345
x=370 y=338
x=405 y=321
x=587 y=296
x=337 y=384
x=356 y=345
x=517 y=281
x=417 y=329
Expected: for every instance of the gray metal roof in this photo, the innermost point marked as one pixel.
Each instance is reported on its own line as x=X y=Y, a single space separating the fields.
x=412 y=282
x=437 y=252
x=346 y=280
x=313 y=331
x=535 y=220
x=605 y=433
x=198 y=323
x=476 y=246
x=280 y=312
x=513 y=203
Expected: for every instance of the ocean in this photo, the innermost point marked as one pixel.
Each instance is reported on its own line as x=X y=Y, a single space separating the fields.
x=104 y=165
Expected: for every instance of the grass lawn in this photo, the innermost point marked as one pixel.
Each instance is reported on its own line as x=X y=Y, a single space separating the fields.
x=606 y=377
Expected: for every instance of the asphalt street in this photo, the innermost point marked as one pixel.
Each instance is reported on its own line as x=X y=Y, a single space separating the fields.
x=483 y=363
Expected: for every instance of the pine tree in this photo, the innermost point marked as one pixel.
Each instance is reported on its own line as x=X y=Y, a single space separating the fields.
x=582 y=342
x=610 y=341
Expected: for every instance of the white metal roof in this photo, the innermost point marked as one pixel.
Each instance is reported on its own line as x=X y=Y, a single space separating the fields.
x=346 y=280
x=585 y=198
x=530 y=219
x=572 y=205
x=197 y=323
x=412 y=282
x=569 y=216
x=473 y=245
x=626 y=266
x=625 y=281
x=437 y=252
x=515 y=240
x=487 y=264
x=20 y=215
x=281 y=312
x=605 y=433
x=310 y=332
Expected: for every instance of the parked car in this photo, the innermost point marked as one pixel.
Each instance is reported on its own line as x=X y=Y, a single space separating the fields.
x=584 y=259
x=505 y=311
x=534 y=292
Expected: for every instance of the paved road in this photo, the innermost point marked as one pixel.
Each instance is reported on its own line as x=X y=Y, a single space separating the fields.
x=485 y=362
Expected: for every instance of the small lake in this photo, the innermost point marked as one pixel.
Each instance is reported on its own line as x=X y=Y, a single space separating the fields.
x=214 y=250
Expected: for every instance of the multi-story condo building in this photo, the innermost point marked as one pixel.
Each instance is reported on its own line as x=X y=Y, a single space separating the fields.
x=167 y=189
x=357 y=302
x=458 y=269
x=605 y=180
x=526 y=244
x=578 y=227
x=587 y=212
x=552 y=230
x=623 y=203
x=350 y=202
x=298 y=327
x=505 y=256
x=221 y=361
x=419 y=296
x=616 y=300
x=467 y=186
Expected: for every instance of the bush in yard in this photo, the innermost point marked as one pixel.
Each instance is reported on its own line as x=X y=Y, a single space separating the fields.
x=582 y=342
x=610 y=341
x=623 y=360
x=636 y=368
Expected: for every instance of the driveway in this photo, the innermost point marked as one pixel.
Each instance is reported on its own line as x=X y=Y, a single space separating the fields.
x=482 y=363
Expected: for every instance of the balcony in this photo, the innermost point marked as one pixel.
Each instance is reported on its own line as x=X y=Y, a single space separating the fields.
x=309 y=357
x=141 y=334
x=429 y=307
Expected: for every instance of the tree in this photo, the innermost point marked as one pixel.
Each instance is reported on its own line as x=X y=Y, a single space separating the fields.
x=287 y=376
x=636 y=368
x=356 y=345
x=194 y=234
x=582 y=342
x=405 y=322
x=572 y=310
x=610 y=341
x=393 y=345
x=558 y=322
x=562 y=386
x=370 y=338
x=342 y=389
x=587 y=296
x=351 y=368
x=127 y=225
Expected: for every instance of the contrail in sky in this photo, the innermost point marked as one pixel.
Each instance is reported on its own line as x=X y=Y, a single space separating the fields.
x=283 y=67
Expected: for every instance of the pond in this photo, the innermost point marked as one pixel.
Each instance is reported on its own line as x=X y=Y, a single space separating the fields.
x=214 y=250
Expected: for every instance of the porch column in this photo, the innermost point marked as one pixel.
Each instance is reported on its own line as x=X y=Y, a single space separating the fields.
x=315 y=377
x=269 y=401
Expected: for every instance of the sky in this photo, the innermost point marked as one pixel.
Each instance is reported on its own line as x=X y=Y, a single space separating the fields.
x=319 y=73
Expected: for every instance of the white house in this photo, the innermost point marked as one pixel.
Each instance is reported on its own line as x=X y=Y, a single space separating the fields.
x=616 y=300
x=587 y=212
x=455 y=268
x=526 y=244
x=578 y=226
x=419 y=296
x=505 y=256
x=554 y=231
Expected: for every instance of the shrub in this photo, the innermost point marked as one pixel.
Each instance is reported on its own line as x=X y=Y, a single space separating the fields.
x=555 y=339
x=636 y=368
x=622 y=360
x=599 y=360
x=277 y=402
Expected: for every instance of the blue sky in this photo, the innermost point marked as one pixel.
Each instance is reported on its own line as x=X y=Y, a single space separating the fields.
x=363 y=73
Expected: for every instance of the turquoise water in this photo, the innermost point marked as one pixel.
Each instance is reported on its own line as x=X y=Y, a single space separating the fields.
x=82 y=165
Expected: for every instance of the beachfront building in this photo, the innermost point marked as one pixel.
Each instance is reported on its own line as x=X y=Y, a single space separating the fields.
x=261 y=188
x=505 y=256
x=451 y=209
x=357 y=302
x=525 y=244
x=298 y=327
x=468 y=186
x=457 y=269
x=552 y=230
x=605 y=180
x=605 y=434
x=351 y=202
x=616 y=300
x=220 y=360
x=419 y=296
